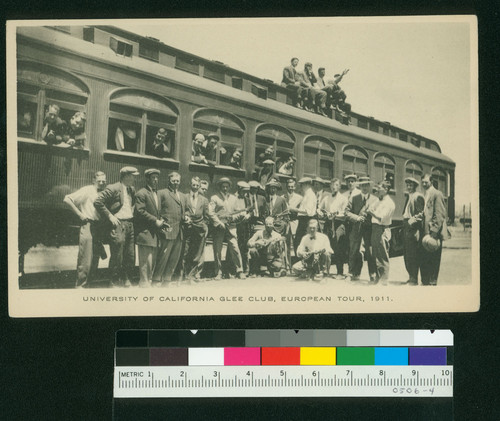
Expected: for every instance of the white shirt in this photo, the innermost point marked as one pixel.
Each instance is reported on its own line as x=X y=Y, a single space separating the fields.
x=127 y=209
x=309 y=202
x=293 y=199
x=308 y=244
x=335 y=204
x=272 y=201
x=84 y=199
x=384 y=211
x=193 y=197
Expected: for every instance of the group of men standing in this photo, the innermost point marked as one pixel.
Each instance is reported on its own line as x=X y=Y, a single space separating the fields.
x=259 y=227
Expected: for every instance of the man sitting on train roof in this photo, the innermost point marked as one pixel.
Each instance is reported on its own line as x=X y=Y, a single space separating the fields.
x=211 y=146
x=161 y=144
x=317 y=95
x=338 y=95
x=292 y=84
x=54 y=127
x=288 y=167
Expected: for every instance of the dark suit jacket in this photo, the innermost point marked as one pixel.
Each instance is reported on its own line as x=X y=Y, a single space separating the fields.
x=172 y=210
x=279 y=207
x=145 y=216
x=435 y=212
x=261 y=206
x=199 y=215
x=415 y=208
x=355 y=206
x=288 y=75
x=110 y=200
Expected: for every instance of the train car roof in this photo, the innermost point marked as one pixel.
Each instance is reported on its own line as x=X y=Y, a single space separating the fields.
x=101 y=53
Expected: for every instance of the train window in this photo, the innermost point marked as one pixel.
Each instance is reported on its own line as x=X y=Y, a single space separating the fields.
x=142 y=123
x=355 y=161
x=384 y=169
x=403 y=137
x=362 y=123
x=275 y=143
x=415 y=141
x=228 y=128
x=319 y=156
x=214 y=73
x=88 y=33
x=373 y=126
x=259 y=91
x=414 y=169
x=187 y=64
x=120 y=47
x=149 y=51
x=237 y=82
x=39 y=87
x=440 y=180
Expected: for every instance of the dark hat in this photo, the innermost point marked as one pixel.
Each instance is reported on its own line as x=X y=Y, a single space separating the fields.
x=243 y=185
x=349 y=176
x=412 y=180
x=151 y=171
x=273 y=183
x=254 y=184
x=214 y=135
x=364 y=180
x=431 y=244
x=305 y=180
x=129 y=170
x=224 y=180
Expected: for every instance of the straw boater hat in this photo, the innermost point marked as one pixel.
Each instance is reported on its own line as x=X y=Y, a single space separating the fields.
x=349 y=176
x=268 y=162
x=364 y=180
x=305 y=180
x=224 y=180
x=213 y=135
x=412 y=180
x=431 y=244
x=199 y=136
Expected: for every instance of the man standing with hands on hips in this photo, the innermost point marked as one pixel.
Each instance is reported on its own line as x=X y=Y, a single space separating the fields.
x=116 y=204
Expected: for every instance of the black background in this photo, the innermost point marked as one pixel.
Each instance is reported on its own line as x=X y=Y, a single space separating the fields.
x=62 y=369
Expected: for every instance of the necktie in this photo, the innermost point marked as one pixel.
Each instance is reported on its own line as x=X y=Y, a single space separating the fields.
x=256 y=206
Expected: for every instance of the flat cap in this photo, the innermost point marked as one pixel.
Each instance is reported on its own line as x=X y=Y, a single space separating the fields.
x=129 y=170
x=254 y=184
x=273 y=183
x=305 y=180
x=243 y=185
x=268 y=162
x=431 y=244
x=412 y=180
x=224 y=180
x=213 y=135
x=151 y=171
x=351 y=176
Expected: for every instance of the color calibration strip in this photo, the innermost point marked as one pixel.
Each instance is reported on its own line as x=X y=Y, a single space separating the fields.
x=234 y=363
x=269 y=356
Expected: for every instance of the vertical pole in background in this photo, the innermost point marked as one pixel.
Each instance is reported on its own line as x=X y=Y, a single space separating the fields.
x=463 y=217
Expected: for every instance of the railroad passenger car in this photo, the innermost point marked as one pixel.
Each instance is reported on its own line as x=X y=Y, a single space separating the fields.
x=130 y=86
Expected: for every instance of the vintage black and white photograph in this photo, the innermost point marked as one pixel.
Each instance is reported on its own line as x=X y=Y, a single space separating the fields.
x=243 y=166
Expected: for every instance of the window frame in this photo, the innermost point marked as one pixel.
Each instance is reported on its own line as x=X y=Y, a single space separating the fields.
x=355 y=157
x=381 y=158
x=283 y=146
x=319 y=157
x=144 y=121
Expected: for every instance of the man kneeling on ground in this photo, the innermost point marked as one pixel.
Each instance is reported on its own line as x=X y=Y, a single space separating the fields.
x=314 y=252
x=265 y=249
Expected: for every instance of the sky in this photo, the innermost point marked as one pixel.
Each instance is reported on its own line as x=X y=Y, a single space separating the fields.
x=417 y=74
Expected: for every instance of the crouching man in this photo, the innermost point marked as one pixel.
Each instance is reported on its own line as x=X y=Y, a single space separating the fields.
x=266 y=248
x=314 y=252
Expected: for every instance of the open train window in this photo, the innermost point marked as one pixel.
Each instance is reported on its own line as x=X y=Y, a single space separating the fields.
x=230 y=131
x=41 y=87
x=413 y=169
x=142 y=123
x=275 y=143
x=354 y=161
x=319 y=156
x=384 y=169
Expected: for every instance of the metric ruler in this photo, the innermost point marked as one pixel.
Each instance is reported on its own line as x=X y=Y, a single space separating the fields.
x=283 y=381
